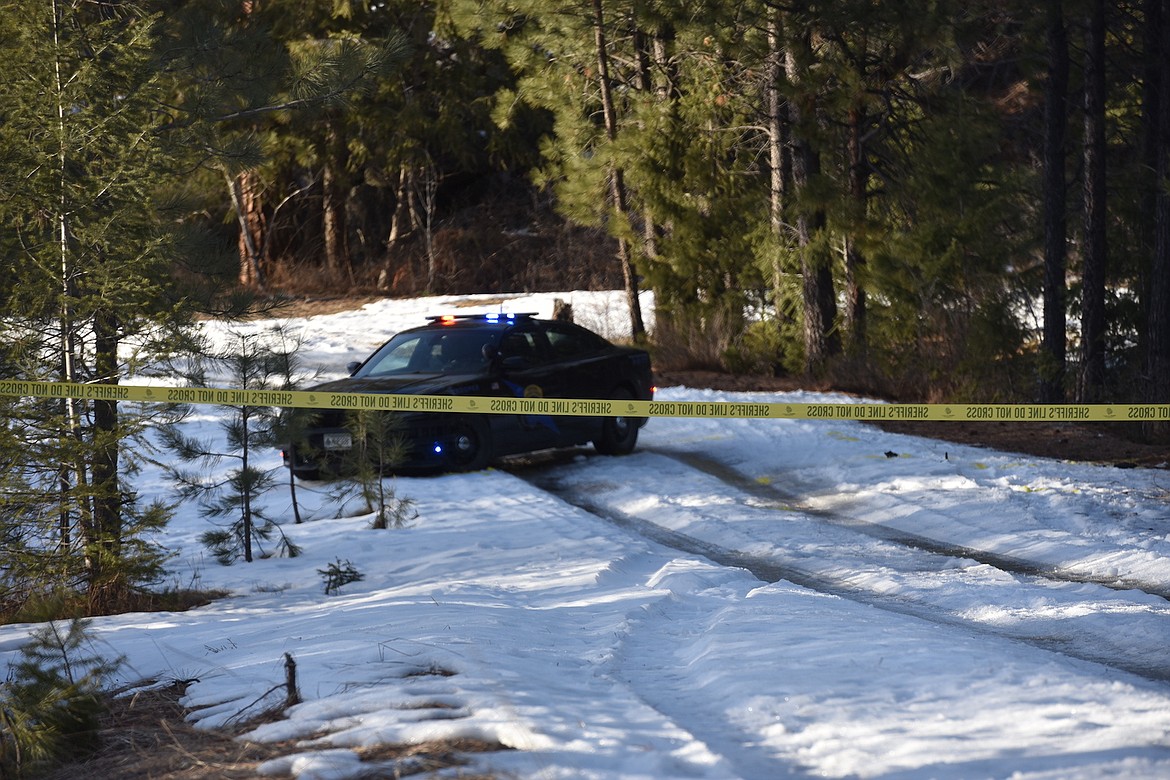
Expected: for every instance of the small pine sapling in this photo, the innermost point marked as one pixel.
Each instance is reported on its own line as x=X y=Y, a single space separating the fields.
x=337 y=574
x=393 y=512
x=288 y=372
x=51 y=705
x=378 y=447
x=234 y=497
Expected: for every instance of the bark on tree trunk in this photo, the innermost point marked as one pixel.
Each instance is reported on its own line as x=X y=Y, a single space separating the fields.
x=820 y=306
x=1093 y=321
x=654 y=49
x=1054 y=343
x=250 y=216
x=426 y=196
x=337 y=265
x=854 y=260
x=778 y=160
x=401 y=215
x=1158 y=312
x=106 y=532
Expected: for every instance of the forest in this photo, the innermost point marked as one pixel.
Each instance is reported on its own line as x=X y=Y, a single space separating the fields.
x=931 y=200
x=924 y=200
x=927 y=200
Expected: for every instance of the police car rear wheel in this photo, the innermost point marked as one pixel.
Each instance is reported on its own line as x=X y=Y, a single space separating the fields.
x=619 y=434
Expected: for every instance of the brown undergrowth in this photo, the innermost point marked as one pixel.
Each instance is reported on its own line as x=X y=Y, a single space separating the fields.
x=1116 y=444
x=146 y=736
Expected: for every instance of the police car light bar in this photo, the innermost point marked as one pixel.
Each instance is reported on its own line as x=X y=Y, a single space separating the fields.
x=447 y=319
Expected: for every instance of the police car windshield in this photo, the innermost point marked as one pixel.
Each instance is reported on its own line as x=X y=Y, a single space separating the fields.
x=432 y=351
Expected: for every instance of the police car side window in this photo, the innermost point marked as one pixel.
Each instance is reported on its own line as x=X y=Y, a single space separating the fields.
x=520 y=344
x=569 y=342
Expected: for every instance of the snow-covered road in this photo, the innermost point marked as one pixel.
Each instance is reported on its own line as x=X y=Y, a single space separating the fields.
x=835 y=553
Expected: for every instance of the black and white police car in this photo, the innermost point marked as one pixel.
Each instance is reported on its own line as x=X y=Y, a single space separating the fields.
x=489 y=355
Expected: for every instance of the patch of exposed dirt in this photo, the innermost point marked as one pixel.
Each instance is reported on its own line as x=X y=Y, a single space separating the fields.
x=307 y=306
x=1096 y=442
x=312 y=306
x=146 y=736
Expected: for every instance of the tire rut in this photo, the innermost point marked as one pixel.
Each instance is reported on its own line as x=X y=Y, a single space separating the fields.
x=778 y=497
x=542 y=476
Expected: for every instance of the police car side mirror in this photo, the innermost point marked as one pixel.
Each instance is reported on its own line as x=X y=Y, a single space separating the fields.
x=353 y=366
x=491 y=354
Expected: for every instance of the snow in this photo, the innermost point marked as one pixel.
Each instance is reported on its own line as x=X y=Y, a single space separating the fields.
x=736 y=599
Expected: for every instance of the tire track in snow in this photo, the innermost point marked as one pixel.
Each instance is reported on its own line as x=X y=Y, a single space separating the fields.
x=1007 y=563
x=813 y=573
x=674 y=688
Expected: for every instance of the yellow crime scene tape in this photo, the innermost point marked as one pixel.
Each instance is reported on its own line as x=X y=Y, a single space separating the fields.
x=586 y=407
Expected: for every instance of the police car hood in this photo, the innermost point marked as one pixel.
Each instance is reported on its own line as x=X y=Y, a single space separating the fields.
x=398 y=384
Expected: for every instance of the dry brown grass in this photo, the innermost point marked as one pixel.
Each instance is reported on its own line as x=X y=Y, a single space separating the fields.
x=27 y=604
x=146 y=736
x=1092 y=442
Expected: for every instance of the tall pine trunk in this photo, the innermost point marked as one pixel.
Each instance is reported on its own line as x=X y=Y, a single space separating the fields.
x=616 y=177
x=820 y=305
x=780 y=171
x=334 y=195
x=655 y=74
x=71 y=478
x=247 y=205
x=1054 y=344
x=1157 y=113
x=1093 y=319
x=855 y=313
x=106 y=586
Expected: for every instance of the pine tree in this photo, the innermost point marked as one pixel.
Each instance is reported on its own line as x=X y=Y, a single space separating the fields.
x=1094 y=268
x=88 y=291
x=1054 y=345
x=268 y=86
x=250 y=362
x=565 y=55
x=692 y=154
x=379 y=446
x=51 y=703
x=1156 y=105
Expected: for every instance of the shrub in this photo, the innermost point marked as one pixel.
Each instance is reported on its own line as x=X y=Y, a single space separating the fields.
x=338 y=574
x=51 y=705
x=763 y=349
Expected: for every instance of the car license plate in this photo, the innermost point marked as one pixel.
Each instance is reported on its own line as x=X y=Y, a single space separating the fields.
x=338 y=441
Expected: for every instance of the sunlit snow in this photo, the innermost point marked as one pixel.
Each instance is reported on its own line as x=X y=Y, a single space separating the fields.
x=737 y=599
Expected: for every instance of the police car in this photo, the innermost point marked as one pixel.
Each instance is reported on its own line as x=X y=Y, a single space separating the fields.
x=499 y=356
